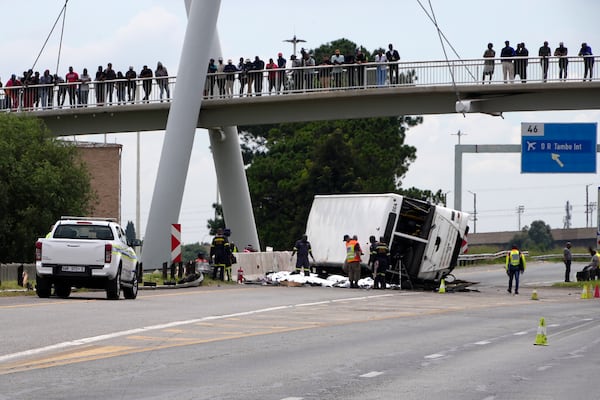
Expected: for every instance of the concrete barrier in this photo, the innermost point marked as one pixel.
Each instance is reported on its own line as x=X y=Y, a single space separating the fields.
x=256 y=265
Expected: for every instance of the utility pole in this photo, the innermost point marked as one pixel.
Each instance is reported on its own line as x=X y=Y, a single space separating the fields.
x=567 y=219
x=587 y=206
x=459 y=134
x=474 y=210
x=520 y=210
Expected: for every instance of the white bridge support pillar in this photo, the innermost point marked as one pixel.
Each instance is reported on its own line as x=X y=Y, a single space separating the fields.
x=181 y=128
x=233 y=186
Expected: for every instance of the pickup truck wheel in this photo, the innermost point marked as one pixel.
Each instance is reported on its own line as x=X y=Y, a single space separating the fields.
x=43 y=287
x=131 y=292
x=113 y=287
x=62 y=290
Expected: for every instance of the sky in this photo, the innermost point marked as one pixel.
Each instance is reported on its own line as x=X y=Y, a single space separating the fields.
x=143 y=32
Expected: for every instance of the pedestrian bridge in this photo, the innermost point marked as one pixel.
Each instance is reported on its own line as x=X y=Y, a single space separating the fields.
x=317 y=93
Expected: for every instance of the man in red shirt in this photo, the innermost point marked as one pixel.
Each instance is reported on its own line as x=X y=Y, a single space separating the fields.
x=72 y=78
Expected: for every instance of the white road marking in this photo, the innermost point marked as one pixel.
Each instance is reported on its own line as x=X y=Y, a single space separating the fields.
x=433 y=356
x=292 y=398
x=520 y=333
x=544 y=367
x=482 y=342
x=93 y=339
x=371 y=374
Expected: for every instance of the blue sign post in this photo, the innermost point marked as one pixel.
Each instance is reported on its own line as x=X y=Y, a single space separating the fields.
x=558 y=148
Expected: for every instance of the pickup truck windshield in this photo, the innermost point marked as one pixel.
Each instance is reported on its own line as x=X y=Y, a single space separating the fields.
x=76 y=231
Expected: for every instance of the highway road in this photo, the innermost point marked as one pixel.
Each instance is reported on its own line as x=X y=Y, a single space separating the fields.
x=251 y=342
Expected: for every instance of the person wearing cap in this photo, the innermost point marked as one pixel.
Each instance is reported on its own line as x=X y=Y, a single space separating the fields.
x=567 y=258
x=563 y=62
x=229 y=70
x=281 y=63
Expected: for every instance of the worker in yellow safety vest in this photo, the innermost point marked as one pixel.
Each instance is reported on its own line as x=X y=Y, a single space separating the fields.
x=515 y=265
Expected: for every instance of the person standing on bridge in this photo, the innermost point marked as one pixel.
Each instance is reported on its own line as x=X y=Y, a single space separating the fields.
x=99 y=86
x=72 y=79
x=111 y=77
x=162 y=80
x=521 y=61
x=131 y=77
x=544 y=53
x=257 y=70
x=381 y=61
x=508 y=68
x=588 y=60
x=515 y=265
x=393 y=57
x=84 y=88
x=146 y=76
x=281 y=64
x=302 y=247
x=489 y=64
x=229 y=71
x=337 y=60
x=563 y=62
x=567 y=258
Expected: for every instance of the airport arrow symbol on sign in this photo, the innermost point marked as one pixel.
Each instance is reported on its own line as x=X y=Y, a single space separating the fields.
x=556 y=157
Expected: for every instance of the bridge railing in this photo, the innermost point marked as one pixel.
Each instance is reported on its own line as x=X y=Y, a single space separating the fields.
x=289 y=81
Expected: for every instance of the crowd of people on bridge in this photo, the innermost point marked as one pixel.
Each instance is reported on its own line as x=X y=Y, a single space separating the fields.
x=33 y=90
x=515 y=62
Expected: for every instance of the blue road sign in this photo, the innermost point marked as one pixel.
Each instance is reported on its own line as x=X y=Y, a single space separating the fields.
x=558 y=148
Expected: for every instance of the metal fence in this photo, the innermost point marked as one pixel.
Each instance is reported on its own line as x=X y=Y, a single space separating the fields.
x=320 y=78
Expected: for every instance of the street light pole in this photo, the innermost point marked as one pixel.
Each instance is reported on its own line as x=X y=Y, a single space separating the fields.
x=520 y=211
x=474 y=211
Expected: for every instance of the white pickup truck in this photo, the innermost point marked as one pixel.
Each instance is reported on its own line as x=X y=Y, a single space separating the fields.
x=85 y=252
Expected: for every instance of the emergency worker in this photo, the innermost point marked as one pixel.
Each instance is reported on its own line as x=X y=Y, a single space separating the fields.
x=515 y=265
x=382 y=263
x=353 y=253
x=302 y=247
x=231 y=259
x=594 y=265
x=219 y=254
x=372 y=253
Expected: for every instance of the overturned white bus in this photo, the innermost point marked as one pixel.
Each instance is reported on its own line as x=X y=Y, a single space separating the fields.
x=424 y=239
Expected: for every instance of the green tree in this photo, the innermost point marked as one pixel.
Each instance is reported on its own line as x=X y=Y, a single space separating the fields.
x=41 y=178
x=296 y=161
x=540 y=235
x=130 y=231
x=537 y=236
x=218 y=221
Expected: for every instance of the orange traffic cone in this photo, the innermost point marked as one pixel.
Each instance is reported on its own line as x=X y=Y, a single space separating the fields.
x=596 y=292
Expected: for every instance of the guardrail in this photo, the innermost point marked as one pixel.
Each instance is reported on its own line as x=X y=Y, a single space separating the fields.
x=468 y=259
x=319 y=78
